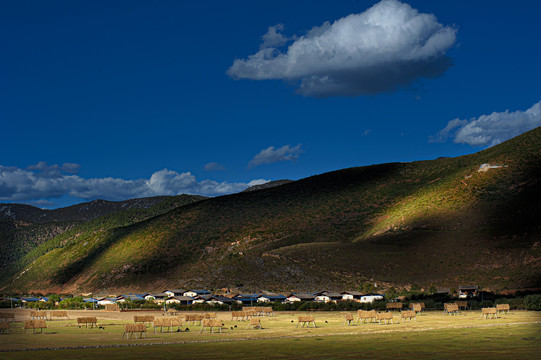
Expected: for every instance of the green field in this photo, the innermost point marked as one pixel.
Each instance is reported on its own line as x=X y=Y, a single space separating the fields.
x=432 y=336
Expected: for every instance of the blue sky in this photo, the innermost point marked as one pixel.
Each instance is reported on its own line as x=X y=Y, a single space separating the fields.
x=117 y=100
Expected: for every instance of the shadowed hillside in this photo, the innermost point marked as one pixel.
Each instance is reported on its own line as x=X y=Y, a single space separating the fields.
x=439 y=222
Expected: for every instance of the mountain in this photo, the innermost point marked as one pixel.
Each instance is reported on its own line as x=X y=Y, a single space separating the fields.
x=24 y=228
x=80 y=212
x=451 y=221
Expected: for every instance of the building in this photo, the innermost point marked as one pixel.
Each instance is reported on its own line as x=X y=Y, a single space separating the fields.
x=265 y=296
x=184 y=300
x=156 y=297
x=370 y=298
x=327 y=296
x=295 y=297
x=246 y=299
x=106 y=301
x=468 y=291
x=351 y=295
x=175 y=292
x=195 y=293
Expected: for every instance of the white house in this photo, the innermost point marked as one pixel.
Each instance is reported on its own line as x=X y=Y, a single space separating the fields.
x=294 y=297
x=371 y=298
x=156 y=297
x=104 y=301
x=328 y=297
x=195 y=293
x=174 y=292
x=351 y=295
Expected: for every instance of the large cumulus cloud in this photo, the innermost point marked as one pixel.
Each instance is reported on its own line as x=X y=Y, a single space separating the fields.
x=41 y=181
x=492 y=129
x=380 y=50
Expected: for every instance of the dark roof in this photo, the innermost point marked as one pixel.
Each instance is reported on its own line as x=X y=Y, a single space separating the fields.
x=158 y=295
x=304 y=296
x=176 y=291
x=181 y=298
x=331 y=294
x=320 y=292
x=239 y=296
x=223 y=299
x=354 y=293
x=199 y=291
x=246 y=299
x=271 y=296
x=469 y=287
x=29 y=299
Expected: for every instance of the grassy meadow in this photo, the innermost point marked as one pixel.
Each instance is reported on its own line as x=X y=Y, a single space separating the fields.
x=432 y=336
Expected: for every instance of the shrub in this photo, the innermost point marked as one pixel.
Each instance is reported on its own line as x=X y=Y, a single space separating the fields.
x=532 y=302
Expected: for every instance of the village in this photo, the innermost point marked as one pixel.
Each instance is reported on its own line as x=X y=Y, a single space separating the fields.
x=226 y=297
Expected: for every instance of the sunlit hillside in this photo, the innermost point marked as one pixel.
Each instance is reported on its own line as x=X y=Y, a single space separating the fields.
x=441 y=222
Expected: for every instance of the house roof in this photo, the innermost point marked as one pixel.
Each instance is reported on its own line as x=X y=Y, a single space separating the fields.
x=158 y=295
x=331 y=295
x=176 y=291
x=246 y=296
x=304 y=296
x=223 y=299
x=247 y=299
x=29 y=299
x=271 y=295
x=354 y=293
x=181 y=298
x=469 y=287
x=199 y=291
x=274 y=297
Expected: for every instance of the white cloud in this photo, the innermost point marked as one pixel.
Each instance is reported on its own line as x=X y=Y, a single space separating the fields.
x=214 y=166
x=271 y=155
x=492 y=129
x=384 y=48
x=273 y=37
x=39 y=182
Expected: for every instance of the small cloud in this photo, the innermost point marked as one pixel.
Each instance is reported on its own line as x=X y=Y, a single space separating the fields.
x=214 y=166
x=492 y=129
x=387 y=47
x=54 y=170
x=271 y=155
x=71 y=168
x=273 y=37
x=366 y=132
